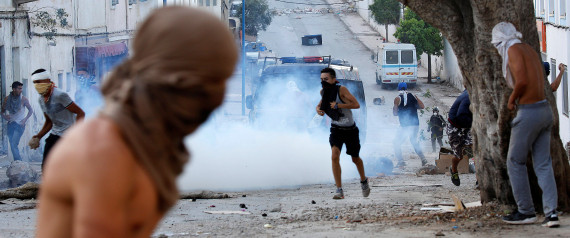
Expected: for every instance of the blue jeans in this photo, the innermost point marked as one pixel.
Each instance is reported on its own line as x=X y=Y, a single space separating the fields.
x=15 y=132
x=405 y=132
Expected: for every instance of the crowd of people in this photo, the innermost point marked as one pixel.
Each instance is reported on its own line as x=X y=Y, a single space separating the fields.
x=120 y=180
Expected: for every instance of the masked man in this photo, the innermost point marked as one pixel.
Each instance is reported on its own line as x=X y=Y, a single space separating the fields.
x=337 y=103
x=406 y=107
x=436 y=125
x=59 y=110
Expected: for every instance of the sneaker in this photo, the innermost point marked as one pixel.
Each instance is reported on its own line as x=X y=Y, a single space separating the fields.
x=454 y=177
x=339 y=194
x=365 y=188
x=551 y=221
x=401 y=164
x=518 y=218
x=424 y=162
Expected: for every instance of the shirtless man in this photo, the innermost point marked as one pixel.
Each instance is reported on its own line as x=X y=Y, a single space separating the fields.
x=522 y=68
x=120 y=168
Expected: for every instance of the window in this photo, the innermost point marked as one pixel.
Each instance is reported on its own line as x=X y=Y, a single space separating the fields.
x=552 y=70
x=565 y=93
x=131 y=2
x=60 y=80
x=551 y=8
x=68 y=82
x=562 y=9
x=207 y=3
x=214 y=2
x=392 y=57
x=114 y=2
x=142 y=0
x=407 y=57
x=200 y=3
x=541 y=7
x=25 y=87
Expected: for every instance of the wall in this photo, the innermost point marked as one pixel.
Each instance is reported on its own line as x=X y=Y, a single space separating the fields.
x=451 y=71
x=557 y=48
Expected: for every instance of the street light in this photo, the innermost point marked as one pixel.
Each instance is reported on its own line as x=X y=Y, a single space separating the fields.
x=243 y=58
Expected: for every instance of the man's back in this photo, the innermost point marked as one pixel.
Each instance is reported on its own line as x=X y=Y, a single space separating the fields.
x=94 y=185
x=526 y=68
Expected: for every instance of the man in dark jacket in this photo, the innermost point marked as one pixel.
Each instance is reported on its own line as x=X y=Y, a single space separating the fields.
x=436 y=125
x=459 y=132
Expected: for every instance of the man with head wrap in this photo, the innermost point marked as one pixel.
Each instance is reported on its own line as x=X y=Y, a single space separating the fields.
x=13 y=111
x=120 y=179
x=406 y=107
x=523 y=70
x=59 y=112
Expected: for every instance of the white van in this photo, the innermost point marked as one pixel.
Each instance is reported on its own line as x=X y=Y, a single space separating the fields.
x=396 y=62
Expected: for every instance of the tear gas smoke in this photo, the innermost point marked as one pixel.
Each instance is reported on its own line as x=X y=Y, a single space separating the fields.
x=281 y=147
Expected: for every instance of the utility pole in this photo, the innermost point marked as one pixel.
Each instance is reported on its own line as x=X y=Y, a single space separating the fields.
x=243 y=57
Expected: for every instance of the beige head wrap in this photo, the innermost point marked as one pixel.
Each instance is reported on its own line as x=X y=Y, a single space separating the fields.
x=504 y=36
x=176 y=77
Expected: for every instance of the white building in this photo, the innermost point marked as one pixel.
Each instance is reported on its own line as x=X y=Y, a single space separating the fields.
x=66 y=36
x=554 y=35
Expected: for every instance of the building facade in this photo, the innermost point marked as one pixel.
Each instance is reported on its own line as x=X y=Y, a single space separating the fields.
x=67 y=36
x=554 y=36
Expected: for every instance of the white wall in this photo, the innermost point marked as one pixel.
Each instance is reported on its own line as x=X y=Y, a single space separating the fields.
x=557 y=48
x=451 y=71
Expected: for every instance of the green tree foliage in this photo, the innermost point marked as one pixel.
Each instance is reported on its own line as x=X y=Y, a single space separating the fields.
x=426 y=38
x=385 y=12
x=257 y=16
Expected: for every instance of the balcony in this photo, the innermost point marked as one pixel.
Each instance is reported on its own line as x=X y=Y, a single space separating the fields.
x=18 y=2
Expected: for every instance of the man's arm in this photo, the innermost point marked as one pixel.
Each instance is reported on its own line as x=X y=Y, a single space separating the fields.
x=420 y=103
x=319 y=111
x=77 y=110
x=556 y=82
x=518 y=71
x=46 y=128
x=396 y=104
x=3 y=112
x=30 y=110
x=349 y=100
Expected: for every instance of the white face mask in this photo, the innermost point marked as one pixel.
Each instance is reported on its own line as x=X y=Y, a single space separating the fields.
x=435 y=113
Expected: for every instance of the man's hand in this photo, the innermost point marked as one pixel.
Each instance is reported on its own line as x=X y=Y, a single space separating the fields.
x=561 y=68
x=512 y=106
x=34 y=143
x=320 y=112
x=334 y=105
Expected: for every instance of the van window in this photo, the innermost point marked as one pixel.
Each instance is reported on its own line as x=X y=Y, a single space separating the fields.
x=392 y=57
x=407 y=57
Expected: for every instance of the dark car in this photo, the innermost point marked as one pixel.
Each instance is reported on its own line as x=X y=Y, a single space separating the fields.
x=286 y=94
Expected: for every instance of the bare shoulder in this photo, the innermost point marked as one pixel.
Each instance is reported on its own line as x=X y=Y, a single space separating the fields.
x=90 y=147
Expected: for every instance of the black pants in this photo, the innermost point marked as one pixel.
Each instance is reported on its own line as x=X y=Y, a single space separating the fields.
x=50 y=142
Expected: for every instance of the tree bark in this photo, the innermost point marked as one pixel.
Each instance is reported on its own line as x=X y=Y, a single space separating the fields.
x=468 y=25
x=429 y=68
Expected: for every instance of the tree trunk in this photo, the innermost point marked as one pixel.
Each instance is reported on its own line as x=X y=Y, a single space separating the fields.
x=429 y=68
x=468 y=25
x=386 y=25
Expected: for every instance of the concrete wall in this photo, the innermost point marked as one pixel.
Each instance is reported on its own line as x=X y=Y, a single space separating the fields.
x=363 y=11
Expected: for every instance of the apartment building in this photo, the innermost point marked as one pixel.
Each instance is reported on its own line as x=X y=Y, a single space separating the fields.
x=554 y=36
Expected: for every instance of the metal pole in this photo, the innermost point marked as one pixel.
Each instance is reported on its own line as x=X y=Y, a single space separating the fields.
x=243 y=58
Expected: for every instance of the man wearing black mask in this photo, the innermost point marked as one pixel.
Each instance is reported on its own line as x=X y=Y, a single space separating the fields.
x=337 y=103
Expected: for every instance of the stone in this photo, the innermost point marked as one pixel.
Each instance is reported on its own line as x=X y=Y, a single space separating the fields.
x=20 y=173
